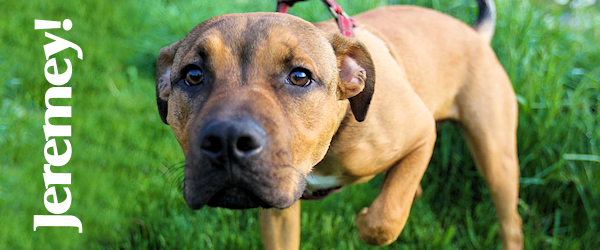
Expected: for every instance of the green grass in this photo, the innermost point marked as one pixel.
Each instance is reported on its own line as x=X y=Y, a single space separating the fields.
x=126 y=164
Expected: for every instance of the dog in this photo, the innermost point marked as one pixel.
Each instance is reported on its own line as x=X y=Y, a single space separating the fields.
x=269 y=108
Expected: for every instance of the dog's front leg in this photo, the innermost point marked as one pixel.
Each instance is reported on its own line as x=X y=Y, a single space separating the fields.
x=382 y=222
x=280 y=228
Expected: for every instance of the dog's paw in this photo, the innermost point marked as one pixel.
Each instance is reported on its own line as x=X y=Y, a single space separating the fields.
x=374 y=229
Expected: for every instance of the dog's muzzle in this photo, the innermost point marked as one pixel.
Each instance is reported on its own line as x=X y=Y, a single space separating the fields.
x=229 y=166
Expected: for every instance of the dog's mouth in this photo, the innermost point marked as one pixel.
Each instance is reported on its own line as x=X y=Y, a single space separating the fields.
x=319 y=193
x=240 y=198
x=236 y=198
x=217 y=187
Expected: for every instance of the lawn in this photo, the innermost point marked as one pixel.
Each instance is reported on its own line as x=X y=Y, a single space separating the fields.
x=127 y=167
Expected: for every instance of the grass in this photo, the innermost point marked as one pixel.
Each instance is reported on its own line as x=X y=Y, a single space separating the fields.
x=126 y=165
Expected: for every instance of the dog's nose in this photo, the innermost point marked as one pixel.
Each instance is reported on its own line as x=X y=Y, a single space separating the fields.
x=232 y=140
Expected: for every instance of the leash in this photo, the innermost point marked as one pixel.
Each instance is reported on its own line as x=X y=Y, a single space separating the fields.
x=344 y=21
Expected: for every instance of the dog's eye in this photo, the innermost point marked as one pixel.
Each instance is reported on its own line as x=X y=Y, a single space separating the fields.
x=194 y=77
x=300 y=77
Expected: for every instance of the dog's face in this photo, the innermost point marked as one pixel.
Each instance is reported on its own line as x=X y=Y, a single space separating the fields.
x=254 y=101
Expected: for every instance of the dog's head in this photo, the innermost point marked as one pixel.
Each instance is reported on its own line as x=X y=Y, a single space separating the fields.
x=254 y=101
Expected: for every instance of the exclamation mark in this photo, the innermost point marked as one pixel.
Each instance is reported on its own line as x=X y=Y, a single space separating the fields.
x=44 y=24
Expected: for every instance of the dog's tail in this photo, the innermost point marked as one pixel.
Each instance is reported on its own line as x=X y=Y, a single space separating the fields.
x=486 y=21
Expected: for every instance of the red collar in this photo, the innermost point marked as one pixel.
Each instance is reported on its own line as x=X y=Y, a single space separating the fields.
x=345 y=23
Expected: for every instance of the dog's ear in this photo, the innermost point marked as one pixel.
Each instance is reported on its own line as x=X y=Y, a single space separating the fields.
x=163 y=78
x=357 y=73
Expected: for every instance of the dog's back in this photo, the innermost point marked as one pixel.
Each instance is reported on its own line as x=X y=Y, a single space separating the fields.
x=439 y=53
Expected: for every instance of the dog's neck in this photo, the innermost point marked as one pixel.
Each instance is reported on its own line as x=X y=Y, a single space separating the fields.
x=344 y=116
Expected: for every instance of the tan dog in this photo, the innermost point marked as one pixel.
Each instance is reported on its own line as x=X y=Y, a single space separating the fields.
x=269 y=108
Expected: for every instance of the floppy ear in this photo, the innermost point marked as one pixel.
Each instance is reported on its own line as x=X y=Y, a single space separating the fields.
x=163 y=78
x=357 y=73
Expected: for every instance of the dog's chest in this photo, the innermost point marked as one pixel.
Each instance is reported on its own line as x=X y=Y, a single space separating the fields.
x=315 y=181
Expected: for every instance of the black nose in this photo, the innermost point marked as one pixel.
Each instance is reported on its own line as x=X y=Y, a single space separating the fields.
x=232 y=140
